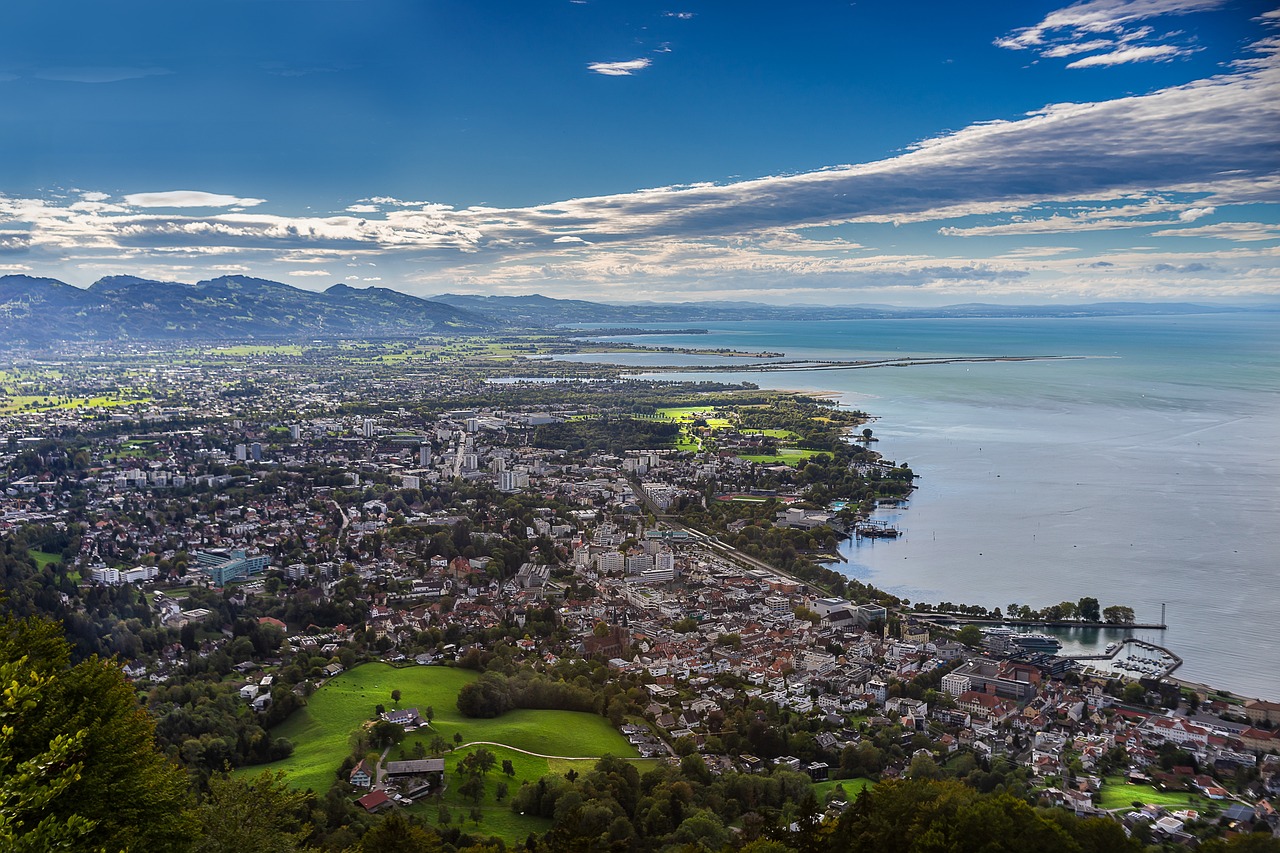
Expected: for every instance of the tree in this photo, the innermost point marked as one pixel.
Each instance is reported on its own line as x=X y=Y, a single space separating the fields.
x=385 y=733
x=260 y=813
x=79 y=769
x=472 y=788
x=1118 y=615
x=924 y=767
x=1088 y=609
x=970 y=635
x=396 y=834
x=395 y=697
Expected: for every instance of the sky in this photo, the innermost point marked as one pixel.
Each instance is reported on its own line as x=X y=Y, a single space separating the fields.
x=822 y=153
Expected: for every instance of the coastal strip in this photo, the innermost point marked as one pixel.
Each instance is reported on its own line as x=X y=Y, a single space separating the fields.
x=813 y=364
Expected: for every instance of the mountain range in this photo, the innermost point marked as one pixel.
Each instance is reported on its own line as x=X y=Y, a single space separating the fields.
x=42 y=312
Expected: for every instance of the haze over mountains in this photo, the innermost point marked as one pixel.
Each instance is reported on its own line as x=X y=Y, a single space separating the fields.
x=40 y=312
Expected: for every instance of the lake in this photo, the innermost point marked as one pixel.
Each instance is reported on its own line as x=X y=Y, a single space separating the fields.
x=1146 y=472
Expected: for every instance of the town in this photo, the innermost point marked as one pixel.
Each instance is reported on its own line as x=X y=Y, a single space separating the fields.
x=250 y=530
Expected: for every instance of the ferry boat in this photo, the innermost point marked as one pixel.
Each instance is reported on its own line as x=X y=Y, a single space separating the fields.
x=1037 y=642
x=1111 y=647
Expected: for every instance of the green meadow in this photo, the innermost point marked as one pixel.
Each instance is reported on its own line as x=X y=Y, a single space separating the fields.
x=783 y=456
x=44 y=558
x=320 y=731
x=852 y=787
x=321 y=734
x=1118 y=794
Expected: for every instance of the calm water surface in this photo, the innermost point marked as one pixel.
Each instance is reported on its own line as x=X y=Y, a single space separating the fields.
x=1145 y=473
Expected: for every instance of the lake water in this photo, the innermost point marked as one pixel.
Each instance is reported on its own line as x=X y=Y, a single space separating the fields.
x=1145 y=473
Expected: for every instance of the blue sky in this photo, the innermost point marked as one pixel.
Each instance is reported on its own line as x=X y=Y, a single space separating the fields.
x=823 y=153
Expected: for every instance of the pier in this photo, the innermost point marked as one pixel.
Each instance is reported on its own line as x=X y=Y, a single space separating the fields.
x=869 y=529
x=952 y=619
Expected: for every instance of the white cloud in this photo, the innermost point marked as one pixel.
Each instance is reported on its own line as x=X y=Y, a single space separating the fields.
x=94 y=196
x=1060 y=50
x=308 y=272
x=1245 y=232
x=1146 y=53
x=188 y=198
x=363 y=208
x=620 y=69
x=1152 y=160
x=683 y=16
x=1194 y=213
x=1099 y=24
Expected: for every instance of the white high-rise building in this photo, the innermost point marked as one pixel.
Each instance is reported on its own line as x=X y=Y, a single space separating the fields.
x=368 y=428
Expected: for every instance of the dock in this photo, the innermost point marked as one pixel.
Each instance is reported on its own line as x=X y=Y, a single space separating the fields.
x=869 y=529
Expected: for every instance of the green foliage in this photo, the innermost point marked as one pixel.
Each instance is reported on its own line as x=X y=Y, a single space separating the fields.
x=607 y=435
x=1118 y=615
x=396 y=834
x=78 y=764
x=911 y=816
x=261 y=813
x=493 y=694
x=1088 y=609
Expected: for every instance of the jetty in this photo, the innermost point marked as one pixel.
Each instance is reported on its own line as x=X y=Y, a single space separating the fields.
x=952 y=619
x=869 y=529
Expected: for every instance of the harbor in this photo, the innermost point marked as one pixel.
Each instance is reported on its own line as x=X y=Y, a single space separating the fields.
x=1163 y=664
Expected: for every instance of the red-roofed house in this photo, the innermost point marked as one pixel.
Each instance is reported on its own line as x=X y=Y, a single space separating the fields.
x=374 y=801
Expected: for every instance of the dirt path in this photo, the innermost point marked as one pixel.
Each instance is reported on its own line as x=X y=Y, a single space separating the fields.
x=540 y=755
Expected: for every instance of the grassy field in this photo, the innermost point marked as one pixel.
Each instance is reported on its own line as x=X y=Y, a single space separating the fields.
x=497 y=818
x=47 y=402
x=260 y=349
x=320 y=733
x=785 y=434
x=1117 y=793
x=321 y=730
x=851 y=787
x=688 y=414
x=44 y=558
x=784 y=456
